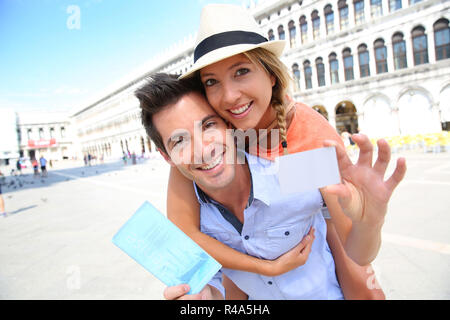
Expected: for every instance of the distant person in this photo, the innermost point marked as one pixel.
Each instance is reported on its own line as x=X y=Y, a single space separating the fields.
x=2 y=202
x=34 y=163
x=19 y=167
x=43 y=163
x=85 y=160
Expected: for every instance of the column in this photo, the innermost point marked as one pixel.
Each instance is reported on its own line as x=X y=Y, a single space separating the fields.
x=302 y=87
x=314 y=79
x=331 y=116
x=430 y=43
x=310 y=27
x=409 y=50
x=322 y=26
x=385 y=5
x=405 y=4
x=351 y=14
x=389 y=56
x=356 y=70
x=367 y=16
x=372 y=62
x=341 y=69
x=326 y=63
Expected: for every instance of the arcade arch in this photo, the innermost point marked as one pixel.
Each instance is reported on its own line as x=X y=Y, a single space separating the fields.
x=416 y=113
x=346 y=117
x=378 y=119
x=321 y=109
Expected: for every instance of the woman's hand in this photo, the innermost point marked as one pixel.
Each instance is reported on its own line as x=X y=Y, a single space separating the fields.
x=292 y=259
x=363 y=193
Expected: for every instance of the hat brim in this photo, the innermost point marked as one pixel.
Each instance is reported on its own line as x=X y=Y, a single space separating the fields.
x=276 y=47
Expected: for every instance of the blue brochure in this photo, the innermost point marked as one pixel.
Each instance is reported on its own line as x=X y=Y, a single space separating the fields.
x=164 y=250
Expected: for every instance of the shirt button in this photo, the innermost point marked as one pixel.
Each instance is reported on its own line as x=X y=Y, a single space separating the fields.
x=270 y=282
x=286 y=233
x=246 y=237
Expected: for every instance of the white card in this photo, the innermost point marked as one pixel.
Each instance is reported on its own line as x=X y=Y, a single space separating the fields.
x=308 y=170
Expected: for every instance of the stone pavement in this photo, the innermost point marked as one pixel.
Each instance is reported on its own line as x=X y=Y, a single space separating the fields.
x=55 y=242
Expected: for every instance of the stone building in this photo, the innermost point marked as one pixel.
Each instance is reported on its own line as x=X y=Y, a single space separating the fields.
x=45 y=133
x=381 y=67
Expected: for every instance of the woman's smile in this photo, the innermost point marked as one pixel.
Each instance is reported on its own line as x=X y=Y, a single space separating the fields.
x=241 y=111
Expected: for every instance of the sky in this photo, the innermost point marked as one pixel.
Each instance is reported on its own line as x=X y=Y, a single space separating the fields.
x=55 y=54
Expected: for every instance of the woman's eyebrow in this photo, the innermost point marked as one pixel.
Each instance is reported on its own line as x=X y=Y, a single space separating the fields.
x=237 y=64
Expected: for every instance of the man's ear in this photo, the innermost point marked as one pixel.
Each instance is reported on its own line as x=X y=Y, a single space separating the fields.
x=166 y=157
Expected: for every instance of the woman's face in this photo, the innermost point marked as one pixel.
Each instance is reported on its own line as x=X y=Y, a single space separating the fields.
x=240 y=92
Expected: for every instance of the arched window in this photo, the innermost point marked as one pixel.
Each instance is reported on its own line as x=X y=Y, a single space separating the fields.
x=359 y=11
x=380 y=56
x=442 y=39
x=334 y=68
x=348 y=64
x=315 y=24
x=320 y=68
x=303 y=29
x=329 y=18
x=343 y=14
x=296 y=73
x=399 y=48
x=363 y=56
x=292 y=33
x=395 y=5
x=420 y=46
x=308 y=74
x=281 y=34
x=376 y=9
x=271 y=36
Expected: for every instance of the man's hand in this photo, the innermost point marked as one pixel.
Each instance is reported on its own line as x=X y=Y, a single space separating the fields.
x=363 y=193
x=179 y=292
x=294 y=258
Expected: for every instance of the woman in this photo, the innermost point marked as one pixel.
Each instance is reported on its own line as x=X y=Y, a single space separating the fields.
x=246 y=83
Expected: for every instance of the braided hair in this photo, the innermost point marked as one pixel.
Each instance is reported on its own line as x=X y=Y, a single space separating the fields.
x=275 y=67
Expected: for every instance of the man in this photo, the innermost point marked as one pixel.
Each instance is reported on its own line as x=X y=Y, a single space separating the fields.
x=43 y=163
x=241 y=202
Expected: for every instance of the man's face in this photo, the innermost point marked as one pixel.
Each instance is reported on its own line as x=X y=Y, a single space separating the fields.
x=197 y=141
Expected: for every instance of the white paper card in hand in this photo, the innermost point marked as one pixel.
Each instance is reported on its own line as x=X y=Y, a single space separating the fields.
x=308 y=170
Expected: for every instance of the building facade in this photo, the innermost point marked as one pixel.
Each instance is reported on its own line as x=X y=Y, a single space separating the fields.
x=380 y=67
x=47 y=134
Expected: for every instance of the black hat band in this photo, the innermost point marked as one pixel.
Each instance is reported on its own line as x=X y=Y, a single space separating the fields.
x=226 y=39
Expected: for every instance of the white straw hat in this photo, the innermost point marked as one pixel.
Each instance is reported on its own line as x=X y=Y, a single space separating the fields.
x=226 y=30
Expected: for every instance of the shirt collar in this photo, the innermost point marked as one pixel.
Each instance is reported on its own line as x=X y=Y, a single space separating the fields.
x=258 y=182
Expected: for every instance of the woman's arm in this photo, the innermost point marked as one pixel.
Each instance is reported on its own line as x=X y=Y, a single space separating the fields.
x=232 y=291
x=357 y=282
x=183 y=210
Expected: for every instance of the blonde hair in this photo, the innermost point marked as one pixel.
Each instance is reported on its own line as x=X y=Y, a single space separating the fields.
x=275 y=67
